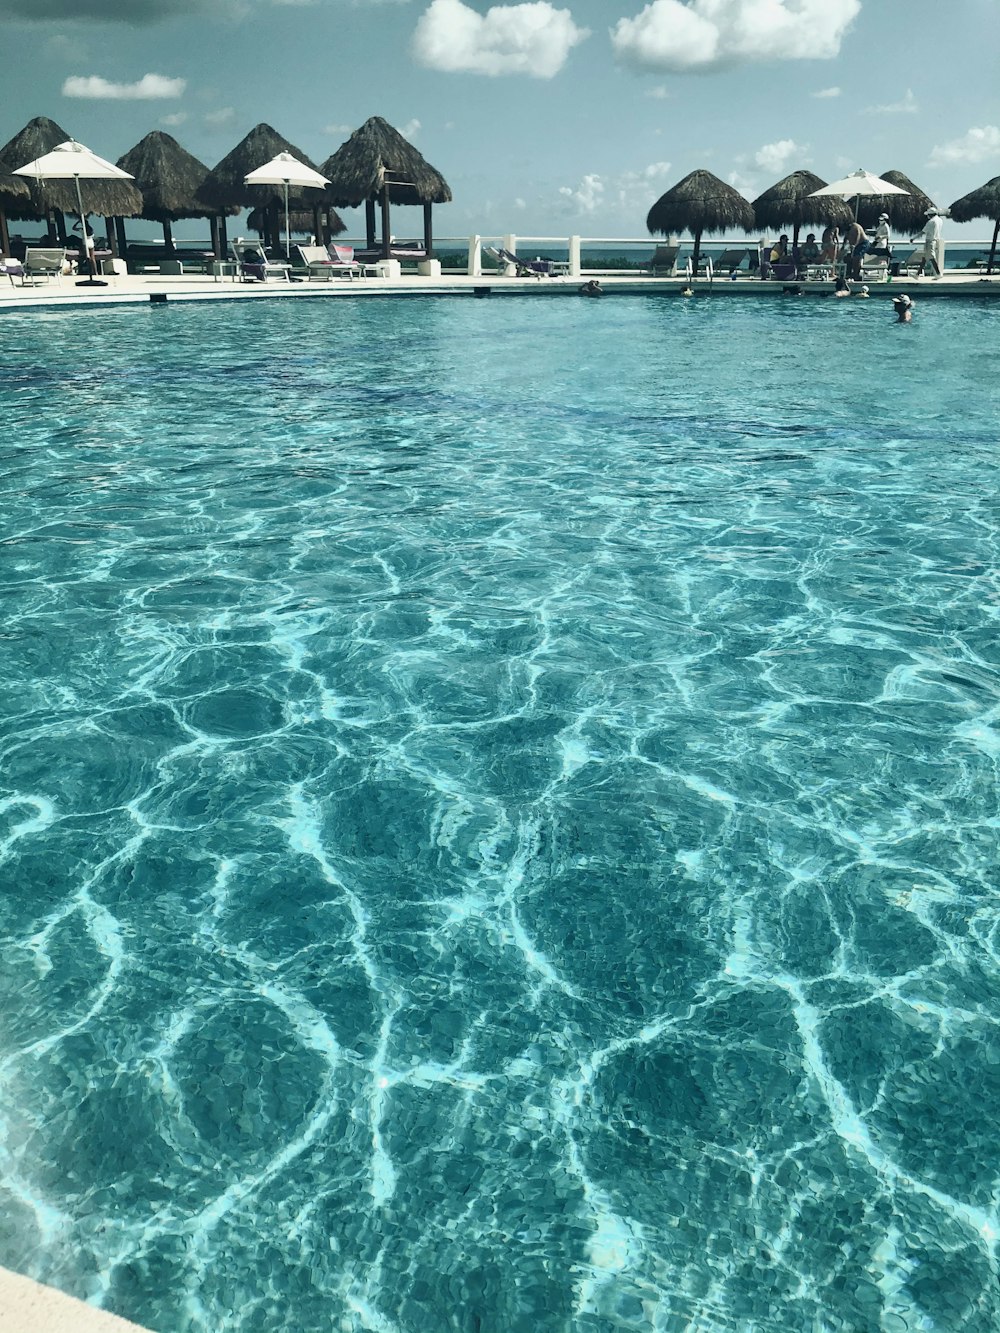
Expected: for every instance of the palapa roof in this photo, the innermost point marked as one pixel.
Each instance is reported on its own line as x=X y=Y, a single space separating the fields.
x=375 y=155
x=983 y=202
x=698 y=203
x=787 y=203
x=223 y=188
x=301 y=219
x=13 y=189
x=168 y=177
x=110 y=198
x=907 y=212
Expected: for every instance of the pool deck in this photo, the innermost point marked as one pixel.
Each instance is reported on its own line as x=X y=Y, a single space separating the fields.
x=158 y=288
x=29 y=1307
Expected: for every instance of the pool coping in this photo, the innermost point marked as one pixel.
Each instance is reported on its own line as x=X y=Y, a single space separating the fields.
x=161 y=289
x=27 y=1306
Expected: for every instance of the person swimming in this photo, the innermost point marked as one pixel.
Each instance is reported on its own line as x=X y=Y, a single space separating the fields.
x=903 y=307
x=592 y=288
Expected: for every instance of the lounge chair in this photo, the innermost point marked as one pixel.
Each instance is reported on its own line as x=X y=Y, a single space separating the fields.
x=874 y=268
x=41 y=263
x=729 y=261
x=253 y=265
x=664 y=261
x=345 y=256
x=13 y=269
x=909 y=265
x=397 y=250
x=507 y=259
x=321 y=267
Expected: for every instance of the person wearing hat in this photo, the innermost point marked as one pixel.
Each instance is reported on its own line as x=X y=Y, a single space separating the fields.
x=903 y=307
x=880 y=240
x=931 y=237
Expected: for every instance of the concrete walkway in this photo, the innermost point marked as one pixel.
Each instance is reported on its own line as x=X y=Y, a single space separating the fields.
x=28 y=1307
x=64 y=293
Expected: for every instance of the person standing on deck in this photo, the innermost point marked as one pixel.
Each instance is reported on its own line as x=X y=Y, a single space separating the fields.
x=855 y=248
x=931 y=236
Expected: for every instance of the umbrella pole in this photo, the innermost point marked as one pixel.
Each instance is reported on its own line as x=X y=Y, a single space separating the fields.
x=92 y=280
x=288 y=231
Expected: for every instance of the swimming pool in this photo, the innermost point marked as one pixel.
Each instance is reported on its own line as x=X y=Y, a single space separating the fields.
x=498 y=804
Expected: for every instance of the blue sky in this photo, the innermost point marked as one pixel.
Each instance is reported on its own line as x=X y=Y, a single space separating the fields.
x=546 y=119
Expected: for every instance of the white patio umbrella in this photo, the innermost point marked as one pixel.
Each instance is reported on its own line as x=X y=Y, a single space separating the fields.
x=856 y=184
x=286 y=170
x=74 y=161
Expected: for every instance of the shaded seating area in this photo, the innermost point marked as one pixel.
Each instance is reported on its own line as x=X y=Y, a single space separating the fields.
x=378 y=168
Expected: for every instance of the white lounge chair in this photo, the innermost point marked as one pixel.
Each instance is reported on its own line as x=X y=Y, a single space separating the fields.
x=346 y=255
x=40 y=262
x=253 y=265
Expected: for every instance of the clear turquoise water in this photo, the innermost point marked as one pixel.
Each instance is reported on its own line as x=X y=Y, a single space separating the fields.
x=498 y=812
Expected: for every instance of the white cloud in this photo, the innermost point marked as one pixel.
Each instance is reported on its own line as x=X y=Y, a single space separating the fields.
x=530 y=39
x=977 y=145
x=708 y=34
x=149 y=87
x=411 y=129
x=342 y=130
x=520 y=204
x=177 y=118
x=827 y=92
x=587 y=197
x=660 y=93
x=630 y=194
x=906 y=106
x=776 y=157
x=221 y=117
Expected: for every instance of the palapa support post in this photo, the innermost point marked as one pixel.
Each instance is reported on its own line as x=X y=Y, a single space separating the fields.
x=386 y=235
x=370 y=223
x=4 y=234
x=168 y=240
x=121 y=238
x=428 y=232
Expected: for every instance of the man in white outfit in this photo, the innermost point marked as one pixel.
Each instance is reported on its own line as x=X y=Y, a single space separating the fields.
x=931 y=236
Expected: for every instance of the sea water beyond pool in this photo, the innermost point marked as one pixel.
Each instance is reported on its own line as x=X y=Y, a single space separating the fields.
x=498 y=815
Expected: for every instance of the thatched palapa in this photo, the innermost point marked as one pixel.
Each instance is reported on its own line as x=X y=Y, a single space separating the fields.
x=907 y=212
x=169 y=177
x=787 y=204
x=110 y=198
x=700 y=203
x=13 y=192
x=377 y=163
x=981 y=203
x=223 y=188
